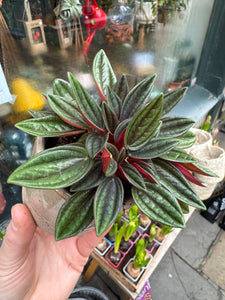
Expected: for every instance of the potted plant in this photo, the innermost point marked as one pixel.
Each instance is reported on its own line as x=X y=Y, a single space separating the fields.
x=110 y=236
x=162 y=232
x=164 y=6
x=135 y=266
x=115 y=256
x=124 y=137
x=144 y=221
x=151 y=238
x=103 y=246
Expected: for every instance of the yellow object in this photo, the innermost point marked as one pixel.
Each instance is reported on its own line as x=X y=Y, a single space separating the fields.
x=27 y=97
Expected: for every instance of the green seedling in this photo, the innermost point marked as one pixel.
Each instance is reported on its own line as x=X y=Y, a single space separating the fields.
x=133 y=212
x=131 y=227
x=118 y=220
x=153 y=232
x=118 y=235
x=166 y=230
x=140 y=254
x=2 y=234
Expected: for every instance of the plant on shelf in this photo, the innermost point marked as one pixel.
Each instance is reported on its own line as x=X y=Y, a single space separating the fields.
x=111 y=234
x=162 y=232
x=145 y=220
x=150 y=240
x=133 y=223
x=115 y=255
x=123 y=138
x=140 y=260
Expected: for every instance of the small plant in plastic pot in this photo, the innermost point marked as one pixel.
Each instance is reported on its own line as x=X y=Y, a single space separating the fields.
x=115 y=256
x=162 y=232
x=135 y=267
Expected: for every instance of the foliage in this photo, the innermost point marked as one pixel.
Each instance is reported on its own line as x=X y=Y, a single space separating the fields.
x=153 y=232
x=131 y=227
x=127 y=137
x=165 y=230
x=118 y=235
x=117 y=221
x=140 y=254
x=2 y=234
x=133 y=212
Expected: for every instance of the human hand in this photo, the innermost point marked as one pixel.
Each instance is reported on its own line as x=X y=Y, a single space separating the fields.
x=34 y=266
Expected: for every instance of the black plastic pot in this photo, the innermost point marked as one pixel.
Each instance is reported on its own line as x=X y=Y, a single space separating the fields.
x=88 y=293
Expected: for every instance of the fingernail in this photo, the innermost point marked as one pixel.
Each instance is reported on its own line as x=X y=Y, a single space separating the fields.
x=15 y=224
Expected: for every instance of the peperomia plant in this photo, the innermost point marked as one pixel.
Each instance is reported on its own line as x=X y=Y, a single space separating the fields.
x=125 y=137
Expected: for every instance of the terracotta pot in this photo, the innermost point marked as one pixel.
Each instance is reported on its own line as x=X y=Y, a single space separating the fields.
x=44 y=205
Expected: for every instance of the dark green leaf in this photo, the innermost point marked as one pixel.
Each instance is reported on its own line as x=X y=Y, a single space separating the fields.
x=122 y=155
x=67 y=110
x=121 y=88
x=175 y=126
x=173 y=180
x=186 y=140
x=132 y=175
x=107 y=203
x=54 y=168
x=103 y=72
x=171 y=99
x=155 y=147
x=91 y=180
x=114 y=102
x=120 y=128
x=41 y=113
x=137 y=97
x=184 y=207
x=89 y=109
x=95 y=142
x=159 y=205
x=75 y=215
x=113 y=150
x=111 y=169
x=109 y=117
x=179 y=156
x=143 y=125
x=62 y=88
x=48 y=126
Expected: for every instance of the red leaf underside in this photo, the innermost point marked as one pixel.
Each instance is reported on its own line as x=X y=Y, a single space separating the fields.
x=106 y=158
x=143 y=172
x=186 y=173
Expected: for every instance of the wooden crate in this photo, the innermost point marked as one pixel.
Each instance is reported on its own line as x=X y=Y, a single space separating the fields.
x=130 y=288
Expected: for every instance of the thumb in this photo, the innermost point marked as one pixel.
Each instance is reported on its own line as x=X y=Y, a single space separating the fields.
x=86 y=242
x=18 y=235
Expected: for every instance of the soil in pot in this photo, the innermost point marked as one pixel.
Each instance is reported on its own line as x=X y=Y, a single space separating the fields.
x=132 y=270
x=144 y=220
x=115 y=257
x=125 y=245
x=159 y=237
x=134 y=236
x=102 y=245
